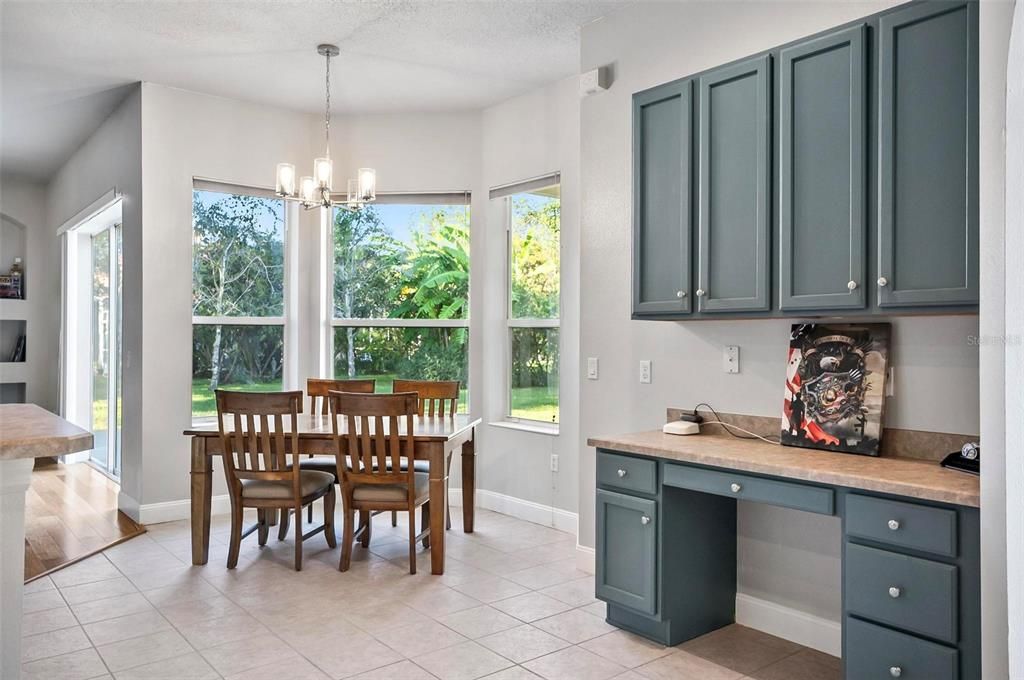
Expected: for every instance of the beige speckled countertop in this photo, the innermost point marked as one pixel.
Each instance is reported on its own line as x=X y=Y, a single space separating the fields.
x=30 y=431
x=909 y=477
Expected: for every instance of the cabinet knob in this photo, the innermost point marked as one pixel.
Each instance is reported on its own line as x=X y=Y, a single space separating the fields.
x=895 y=671
x=882 y=281
x=621 y=472
x=894 y=592
x=894 y=525
x=736 y=488
x=680 y=293
x=852 y=285
x=645 y=520
x=700 y=292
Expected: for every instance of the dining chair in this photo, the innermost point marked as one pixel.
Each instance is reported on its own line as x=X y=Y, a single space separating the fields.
x=370 y=445
x=316 y=390
x=258 y=432
x=436 y=398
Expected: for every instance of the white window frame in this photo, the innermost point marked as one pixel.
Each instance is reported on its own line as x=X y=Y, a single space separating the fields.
x=283 y=320
x=393 y=198
x=506 y=192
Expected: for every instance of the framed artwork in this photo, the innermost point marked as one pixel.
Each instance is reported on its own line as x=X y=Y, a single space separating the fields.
x=835 y=387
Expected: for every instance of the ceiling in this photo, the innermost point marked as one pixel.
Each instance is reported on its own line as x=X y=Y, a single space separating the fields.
x=66 y=65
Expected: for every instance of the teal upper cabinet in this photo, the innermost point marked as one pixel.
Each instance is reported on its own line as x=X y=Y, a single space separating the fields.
x=822 y=132
x=661 y=199
x=928 y=155
x=733 y=244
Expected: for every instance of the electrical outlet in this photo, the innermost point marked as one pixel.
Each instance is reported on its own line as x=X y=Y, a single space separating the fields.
x=591 y=368
x=645 y=371
x=731 y=359
x=554 y=462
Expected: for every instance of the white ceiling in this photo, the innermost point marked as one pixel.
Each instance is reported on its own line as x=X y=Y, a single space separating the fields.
x=66 y=65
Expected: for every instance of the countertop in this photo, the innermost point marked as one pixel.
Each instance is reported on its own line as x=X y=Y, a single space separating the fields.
x=30 y=431
x=910 y=477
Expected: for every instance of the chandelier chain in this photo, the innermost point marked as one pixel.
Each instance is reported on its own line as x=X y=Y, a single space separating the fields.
x=327 y=111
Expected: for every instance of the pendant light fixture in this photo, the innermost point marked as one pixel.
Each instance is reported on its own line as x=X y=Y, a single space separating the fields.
x=314 y=191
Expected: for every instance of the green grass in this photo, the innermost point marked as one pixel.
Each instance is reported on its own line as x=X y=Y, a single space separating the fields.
x=534 y=403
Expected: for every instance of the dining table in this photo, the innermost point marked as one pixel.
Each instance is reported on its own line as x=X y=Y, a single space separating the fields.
x=435 y=439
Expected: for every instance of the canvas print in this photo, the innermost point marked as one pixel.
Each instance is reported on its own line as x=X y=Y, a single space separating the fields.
x=835 y=387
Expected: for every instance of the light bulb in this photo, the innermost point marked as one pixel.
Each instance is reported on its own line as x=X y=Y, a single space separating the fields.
x=322 y=170
x=353 y=192
x=367 y=184
x=308 y=190
x=285 y=179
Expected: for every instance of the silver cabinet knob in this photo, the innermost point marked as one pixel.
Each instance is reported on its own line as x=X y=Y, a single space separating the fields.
x=852 y=285
x=894 y=525
x=895 y=671
x=735 y=487
x=894 y=592
x=882 y=281
x=645 y=520
x=680 y=293
x=700 y=292
x=621 y=472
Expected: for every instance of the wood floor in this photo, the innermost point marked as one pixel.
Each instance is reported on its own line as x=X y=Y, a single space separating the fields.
x=71 y=513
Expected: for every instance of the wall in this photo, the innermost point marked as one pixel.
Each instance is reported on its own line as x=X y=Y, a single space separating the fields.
x=111 y=158
x=785 y=558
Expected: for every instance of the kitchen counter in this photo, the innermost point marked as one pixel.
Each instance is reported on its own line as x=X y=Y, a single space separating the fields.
x=30 y=431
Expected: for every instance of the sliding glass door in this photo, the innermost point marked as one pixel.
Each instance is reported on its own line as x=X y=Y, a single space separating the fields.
x=105 y=348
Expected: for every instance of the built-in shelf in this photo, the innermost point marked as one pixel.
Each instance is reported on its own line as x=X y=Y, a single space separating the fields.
x=12 y=393
x=12 y=332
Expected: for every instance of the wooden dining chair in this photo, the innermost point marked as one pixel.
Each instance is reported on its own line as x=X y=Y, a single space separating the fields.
x=436 y=398
x=370 y=448
x=258 y=432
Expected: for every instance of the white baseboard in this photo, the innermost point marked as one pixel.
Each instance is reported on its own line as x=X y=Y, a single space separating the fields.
x=563 y=520
x=790 y=624
x=172 y=511
x=586 y=559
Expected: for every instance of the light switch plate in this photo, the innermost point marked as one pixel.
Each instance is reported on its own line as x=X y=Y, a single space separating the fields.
x=591 y=368
x=645 y=371
x=731 y=359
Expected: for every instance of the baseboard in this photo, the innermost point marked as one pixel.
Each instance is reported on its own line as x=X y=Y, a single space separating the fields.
x=586 y=559
x=172 y=511
x=129 y=506
x=790 y=624
x=548 y=516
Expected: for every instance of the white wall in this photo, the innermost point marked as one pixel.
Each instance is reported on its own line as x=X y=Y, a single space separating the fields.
x=784 y=557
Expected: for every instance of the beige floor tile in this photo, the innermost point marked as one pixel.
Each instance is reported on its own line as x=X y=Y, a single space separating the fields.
x=111 y=607
x=41 y=601
x=491 y=588
x=575 y=626
x=243 y=655
x=598 y=609
x=187 y=667
x=143 y=650
x=466 y=661
x=184 y=591
x=573 y=663
x=419 y=639
x=351 y=655
x=626 y=649
x=479 y=621
x=47 y=620
x=126 y=627
x=96 y=568
x=804 y=665
x=38 y=585
x=514 y=673
x=523 y=643
x=53 y=643
x=403 y=670
x=186 y=613
x=379 y=618
x=536 y=578
x=682 y=666
x=290 y=669
x=577 y=593
x=741 y=649
x=212 y=632
x=531 y=606
x=176 y=574
x=79 y=665
x=439 y=601
x=99 y=590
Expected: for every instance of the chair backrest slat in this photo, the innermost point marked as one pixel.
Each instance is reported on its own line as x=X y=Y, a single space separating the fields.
x=317 y=389
x=436 y=397
x=259 y=442
x=369 y=439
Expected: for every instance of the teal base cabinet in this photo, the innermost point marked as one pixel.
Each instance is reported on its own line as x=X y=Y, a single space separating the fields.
x=666 y=563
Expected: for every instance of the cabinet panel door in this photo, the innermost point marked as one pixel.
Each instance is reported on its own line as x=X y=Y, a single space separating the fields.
x=734 y=157
x=822 y=126
x=661 y=199
x=928 y=155
x=627 y=550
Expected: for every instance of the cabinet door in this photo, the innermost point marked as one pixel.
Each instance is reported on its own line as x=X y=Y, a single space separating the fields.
x=822 y=124
x=734 y=157
x=627 y=550
x=661 y=199
x=928 y=155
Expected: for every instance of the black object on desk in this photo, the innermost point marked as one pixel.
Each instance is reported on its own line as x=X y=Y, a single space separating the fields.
x=967 y=459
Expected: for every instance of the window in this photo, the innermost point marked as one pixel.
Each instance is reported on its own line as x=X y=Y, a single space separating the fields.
x=533 y=211
x=238 y=241
x=401 y=290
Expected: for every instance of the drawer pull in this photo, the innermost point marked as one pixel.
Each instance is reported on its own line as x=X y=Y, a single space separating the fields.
x=622 y=473
x=645 y=520
x=736 y=488
x=895 y=671
x=894 y=525
x=894 y=592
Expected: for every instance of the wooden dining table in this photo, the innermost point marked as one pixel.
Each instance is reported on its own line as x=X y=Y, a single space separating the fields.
x=435 y=439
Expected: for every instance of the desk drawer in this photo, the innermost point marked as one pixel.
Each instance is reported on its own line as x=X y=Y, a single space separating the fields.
x=874 y=653
x=748 y=488
x=627 y=473
x=916 y=595
x=907 y=525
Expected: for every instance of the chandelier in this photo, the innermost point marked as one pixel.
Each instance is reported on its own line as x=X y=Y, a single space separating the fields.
x=315 y=191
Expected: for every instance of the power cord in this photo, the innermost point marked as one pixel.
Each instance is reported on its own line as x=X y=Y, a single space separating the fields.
x=728 y=427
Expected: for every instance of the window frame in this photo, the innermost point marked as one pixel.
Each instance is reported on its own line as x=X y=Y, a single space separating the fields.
x=284 y=320
x=506 y=193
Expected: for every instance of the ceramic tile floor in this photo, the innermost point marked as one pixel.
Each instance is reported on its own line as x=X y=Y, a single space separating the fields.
x=511 y=606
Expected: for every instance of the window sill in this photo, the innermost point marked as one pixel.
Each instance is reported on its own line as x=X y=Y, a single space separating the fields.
x=534 y=427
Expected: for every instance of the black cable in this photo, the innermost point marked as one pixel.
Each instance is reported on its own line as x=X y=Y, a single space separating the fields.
x=726 y=426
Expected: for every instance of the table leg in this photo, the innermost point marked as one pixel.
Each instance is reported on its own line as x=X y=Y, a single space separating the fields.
x=202 y=493
x=14 y=480
x=438 y=504
x=468 y=485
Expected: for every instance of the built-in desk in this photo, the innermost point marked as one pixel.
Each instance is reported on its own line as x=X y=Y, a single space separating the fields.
x=666 y=545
